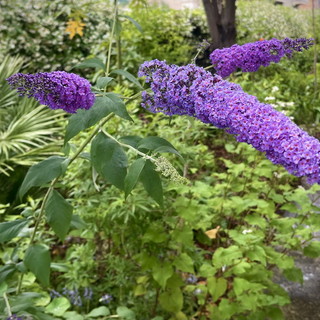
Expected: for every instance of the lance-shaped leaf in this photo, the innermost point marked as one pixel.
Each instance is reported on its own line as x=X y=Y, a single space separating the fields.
x=157 y=144
x=9 y=230
x=152 y=182
x=92 y=63
x=127 y=75
x=59 y=214
x=102 y=82
x=42 y=173
x=109 y=159
x=119 y=106
x=37 y=260
x=137 y=25
x=133 y=175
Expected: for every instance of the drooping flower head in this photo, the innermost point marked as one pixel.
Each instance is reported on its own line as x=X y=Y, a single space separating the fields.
x=225 y=105
x=57 y=89
x=251 y=56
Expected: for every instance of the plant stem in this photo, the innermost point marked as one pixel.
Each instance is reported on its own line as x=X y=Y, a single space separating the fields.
x=6 y=300
x=115 y=14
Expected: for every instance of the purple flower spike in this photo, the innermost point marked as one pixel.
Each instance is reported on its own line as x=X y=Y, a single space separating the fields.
x=57 y=89
x=251 y=56
x=193 y=91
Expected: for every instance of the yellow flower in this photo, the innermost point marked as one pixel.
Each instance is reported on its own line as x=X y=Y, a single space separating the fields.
x=75 y=27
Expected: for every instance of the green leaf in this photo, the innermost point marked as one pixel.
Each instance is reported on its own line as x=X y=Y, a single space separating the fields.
x=91 y=63
x=157 y=144
x=126 y=313
x=171 y=300
x=58 y=306
x=152 y=182
x=9 y=230
x=99 y=312
x=226 y=256
x=42 y=173
x=119 y=107
x=184 y=263
x=294 y=274
x=217 y=287
x=127 y=75
x=131 y=140
x=109 y=159
x=133 y=175
x=37 y=260
x=312 y=250
x=102 y=82
x=162 y=272
x=77 y=222
x=72 y=315
x=137 y=25
x=59 y=214
x=6 y=271
x=84 y=119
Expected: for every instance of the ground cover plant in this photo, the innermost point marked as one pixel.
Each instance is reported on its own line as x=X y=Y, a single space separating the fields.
x=110 y=228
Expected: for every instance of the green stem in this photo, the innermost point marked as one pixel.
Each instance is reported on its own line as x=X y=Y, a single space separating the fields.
x=115 y=14
x=6 y=300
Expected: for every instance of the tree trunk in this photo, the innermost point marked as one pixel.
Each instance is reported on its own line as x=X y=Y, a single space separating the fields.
x=221 y=17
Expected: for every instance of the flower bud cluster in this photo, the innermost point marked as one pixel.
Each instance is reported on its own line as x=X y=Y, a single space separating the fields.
x=251 y=56
x=193 y=91
x=57 y=89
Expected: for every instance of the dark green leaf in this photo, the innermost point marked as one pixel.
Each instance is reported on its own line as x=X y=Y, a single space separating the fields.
x=9 y=230
x=37 y=260
x=84 y=119
x=119 y=107
x=152 y=182
x=294 y=274
x=131 y=140
x=109 y=159
x=137 y=25
x=157 y=144
x=91 y=63
x=59 y=214
x=6 y=271
x=42 y=173
x=133 y=175
x=127 y=75
x=102 y=82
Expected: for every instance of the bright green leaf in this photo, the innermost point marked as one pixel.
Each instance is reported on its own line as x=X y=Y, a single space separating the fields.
x=59 y=214
x=125 y=313
x=171 y=300
x=184 y=263
x=217 y=287
x=312 y=250
x=58 y=306
x=37 y=260
x=162 y=272
x=99 y=312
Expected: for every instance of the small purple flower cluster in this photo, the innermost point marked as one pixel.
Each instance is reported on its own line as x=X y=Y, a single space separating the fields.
x=57 y=89
x=193 y=91
x=106 y=298
x=14 y=317
x=251 y=56
x=74 y=295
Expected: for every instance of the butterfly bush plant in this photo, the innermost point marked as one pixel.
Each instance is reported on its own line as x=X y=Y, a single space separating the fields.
x=212 y=255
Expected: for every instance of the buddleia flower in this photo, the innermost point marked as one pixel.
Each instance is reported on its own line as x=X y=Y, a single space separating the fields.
x=57 y=89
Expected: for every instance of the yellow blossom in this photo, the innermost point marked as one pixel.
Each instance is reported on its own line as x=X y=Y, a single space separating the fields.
x=75 y=27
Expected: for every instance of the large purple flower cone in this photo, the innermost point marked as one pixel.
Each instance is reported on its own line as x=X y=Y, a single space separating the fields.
x=57 y=89
x=193 y=91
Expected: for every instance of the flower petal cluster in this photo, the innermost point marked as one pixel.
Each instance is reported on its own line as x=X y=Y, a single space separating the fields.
x=57 y=89
x=225 y=105
x=251 y=56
